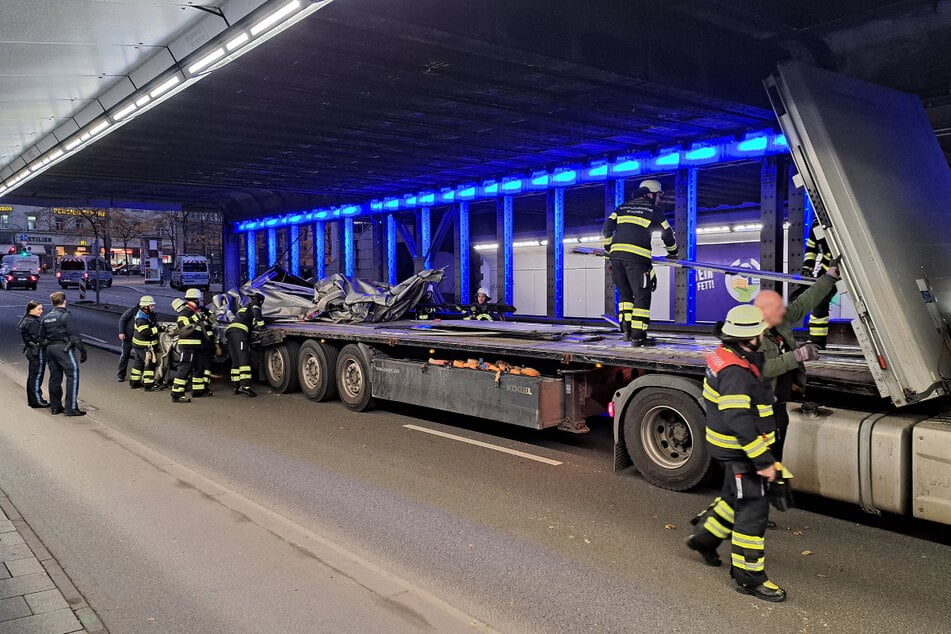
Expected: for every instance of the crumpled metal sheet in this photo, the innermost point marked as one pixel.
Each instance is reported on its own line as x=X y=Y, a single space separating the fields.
x=336 y=298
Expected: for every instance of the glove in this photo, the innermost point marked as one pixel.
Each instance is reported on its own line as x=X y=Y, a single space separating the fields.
x=780 y=490
x=653 y=281
x=807 y=352
x=82 y=354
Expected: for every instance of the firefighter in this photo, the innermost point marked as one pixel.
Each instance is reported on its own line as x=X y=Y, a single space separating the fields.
x=190 y=341
x=627 y=239
x=818 y=257
x=145 y=338
x=201 y=380
x=784 y=366
x=30 y=330
x=59 y=332
x=480 y=310
x=247 y=320
x=740 y=431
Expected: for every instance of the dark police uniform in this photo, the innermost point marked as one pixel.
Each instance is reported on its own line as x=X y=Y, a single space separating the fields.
x=31 y=331
x=145 y=338
x=64 y=348
x=238 y=334
x=125 y=328
x=740 y=432
x=627 y=240
x=818 y=255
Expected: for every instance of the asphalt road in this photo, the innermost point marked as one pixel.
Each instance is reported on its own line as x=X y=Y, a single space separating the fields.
x=521 y=545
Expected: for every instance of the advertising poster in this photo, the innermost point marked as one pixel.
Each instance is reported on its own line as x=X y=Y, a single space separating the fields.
x=718 y=292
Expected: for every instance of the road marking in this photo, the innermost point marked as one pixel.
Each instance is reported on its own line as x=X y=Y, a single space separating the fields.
x=88 y=336
x=479 y=443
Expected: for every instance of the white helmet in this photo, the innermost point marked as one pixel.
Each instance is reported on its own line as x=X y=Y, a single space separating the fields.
x=146 y=300
x=652 y=185
x=193 y=293
x=483 y=291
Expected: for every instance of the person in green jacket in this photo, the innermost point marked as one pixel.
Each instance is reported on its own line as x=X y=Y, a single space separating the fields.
x=785 y=360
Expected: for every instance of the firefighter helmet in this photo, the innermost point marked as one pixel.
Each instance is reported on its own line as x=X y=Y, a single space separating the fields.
x=193 y=293
x=651 y=185
x=743 y=322
x=146 y=300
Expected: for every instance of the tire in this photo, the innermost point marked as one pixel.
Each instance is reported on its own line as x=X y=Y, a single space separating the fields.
x=353 y=379
x=280 y=367
x=33 y=288
x=664 y=432
x=317 y=370
x=62 y=286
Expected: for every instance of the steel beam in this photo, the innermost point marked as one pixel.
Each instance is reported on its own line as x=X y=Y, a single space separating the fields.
x=231 y=265
x=444 y=224
x=796 y=216
x=320 y=250
x=391 y=273
x=772 y=198
x=295 y=249
x=555 y=250
x=463 y=247
x=685 y=230
x=251 y=244
x=613 y=198
x=505 y=253
x=349 y=253
x=408 y=239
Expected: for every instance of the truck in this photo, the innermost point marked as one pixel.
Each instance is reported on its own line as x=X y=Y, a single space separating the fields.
x=881 y=436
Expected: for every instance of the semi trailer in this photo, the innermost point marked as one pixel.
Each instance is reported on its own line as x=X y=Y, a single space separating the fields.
x=880 y=435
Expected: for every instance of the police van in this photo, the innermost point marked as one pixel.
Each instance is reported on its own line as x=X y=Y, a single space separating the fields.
x=74 y=268
x=190 y=271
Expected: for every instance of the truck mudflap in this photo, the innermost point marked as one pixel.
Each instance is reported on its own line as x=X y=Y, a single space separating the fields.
x=534 y=402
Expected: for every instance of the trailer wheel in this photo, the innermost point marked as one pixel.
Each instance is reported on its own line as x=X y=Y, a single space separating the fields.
x=280 y=367
x=317 y=370
x=664 y=435
x=353 y=379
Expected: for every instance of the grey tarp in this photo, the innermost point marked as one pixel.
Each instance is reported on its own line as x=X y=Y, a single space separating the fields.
x=335 y=298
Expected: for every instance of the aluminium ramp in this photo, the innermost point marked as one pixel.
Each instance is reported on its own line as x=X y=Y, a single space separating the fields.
x=881 y=186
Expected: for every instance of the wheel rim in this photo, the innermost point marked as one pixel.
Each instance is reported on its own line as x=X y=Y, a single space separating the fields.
x=276 y=364
x=666 y=437
x=353 y=379
x=310 y=374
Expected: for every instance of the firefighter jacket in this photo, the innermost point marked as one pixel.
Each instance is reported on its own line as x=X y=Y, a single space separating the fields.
x=145 y=330
x=817 y=254
x=778 y=362
x=247 y=318
x=58 y=326
x=191 y=329
x=628 y=231
x=30 y=330
x=740 y=423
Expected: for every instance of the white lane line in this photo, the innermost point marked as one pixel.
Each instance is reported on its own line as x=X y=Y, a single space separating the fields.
x=479 y=443
x=88 y=336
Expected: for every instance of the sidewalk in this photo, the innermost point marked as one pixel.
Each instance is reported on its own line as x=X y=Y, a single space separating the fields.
x=36 y=596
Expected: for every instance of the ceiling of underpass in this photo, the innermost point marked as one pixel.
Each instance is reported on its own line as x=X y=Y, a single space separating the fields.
x=367 y=98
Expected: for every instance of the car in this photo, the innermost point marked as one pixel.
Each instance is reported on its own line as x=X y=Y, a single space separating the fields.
x=19 y=279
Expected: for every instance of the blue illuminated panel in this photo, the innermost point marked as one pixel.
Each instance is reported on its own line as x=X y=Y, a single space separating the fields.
x=391 y=249
x=556 y=247
x=506 y=246
x=349 y=253
x=251 y=244
x=463 y=247
x=295 y=249
x=425 y=237
x=320 y=250
x=271 y=247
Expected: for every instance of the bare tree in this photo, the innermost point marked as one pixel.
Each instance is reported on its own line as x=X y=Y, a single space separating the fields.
x=126 y=227
x=99 y=221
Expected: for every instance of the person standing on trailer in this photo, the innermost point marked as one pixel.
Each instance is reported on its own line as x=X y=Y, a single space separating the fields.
x=125 y=336
x=33 y=349
x=247 y=320
x=785 y=359
x=62 y=339
x=201 y=381
x=627 y=236
x=740 y=431
x=145 y=339
x=190 y=340
x=818 y=257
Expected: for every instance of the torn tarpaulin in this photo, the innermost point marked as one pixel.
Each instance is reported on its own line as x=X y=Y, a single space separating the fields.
x=337 y=298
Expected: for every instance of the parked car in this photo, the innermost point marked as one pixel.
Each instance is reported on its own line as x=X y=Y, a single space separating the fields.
x=19 y=271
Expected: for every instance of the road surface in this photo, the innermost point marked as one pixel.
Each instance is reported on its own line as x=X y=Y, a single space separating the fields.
x=532 y=533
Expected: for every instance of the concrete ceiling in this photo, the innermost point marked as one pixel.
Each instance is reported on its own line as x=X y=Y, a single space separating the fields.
x=374 y=97
x=57 y=54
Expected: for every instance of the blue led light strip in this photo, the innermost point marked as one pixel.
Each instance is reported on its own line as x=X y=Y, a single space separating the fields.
x=752 y=145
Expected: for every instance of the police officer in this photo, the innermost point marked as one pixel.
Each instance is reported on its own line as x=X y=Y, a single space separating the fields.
x=125 y=336
x=190 y=341
x=818 y=258
x=246 y=320
x=145 y=340
x=740 y=431
x=63 y=346
x=627 y=239
x=30 y=330
x=201 y=379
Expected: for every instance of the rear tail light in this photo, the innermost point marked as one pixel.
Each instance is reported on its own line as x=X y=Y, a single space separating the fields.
x=85 y=276
x=9 y=278
x=33 y=278
x=611 y=409
x=58 y=275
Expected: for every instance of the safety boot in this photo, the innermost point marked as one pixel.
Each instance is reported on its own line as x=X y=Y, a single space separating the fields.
x=135 y=385
x=180 y=399
x=247 y=391
x=767 y=591
x=819 y=342
x=200 y=394
x=710 y=557
x=643 y=342
x=626 y=329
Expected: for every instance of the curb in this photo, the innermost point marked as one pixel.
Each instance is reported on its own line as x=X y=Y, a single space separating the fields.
x=86 y=616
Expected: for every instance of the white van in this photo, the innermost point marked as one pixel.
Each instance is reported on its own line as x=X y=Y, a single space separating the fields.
x=19 y=271
x=190 y=271
x=73 y=268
